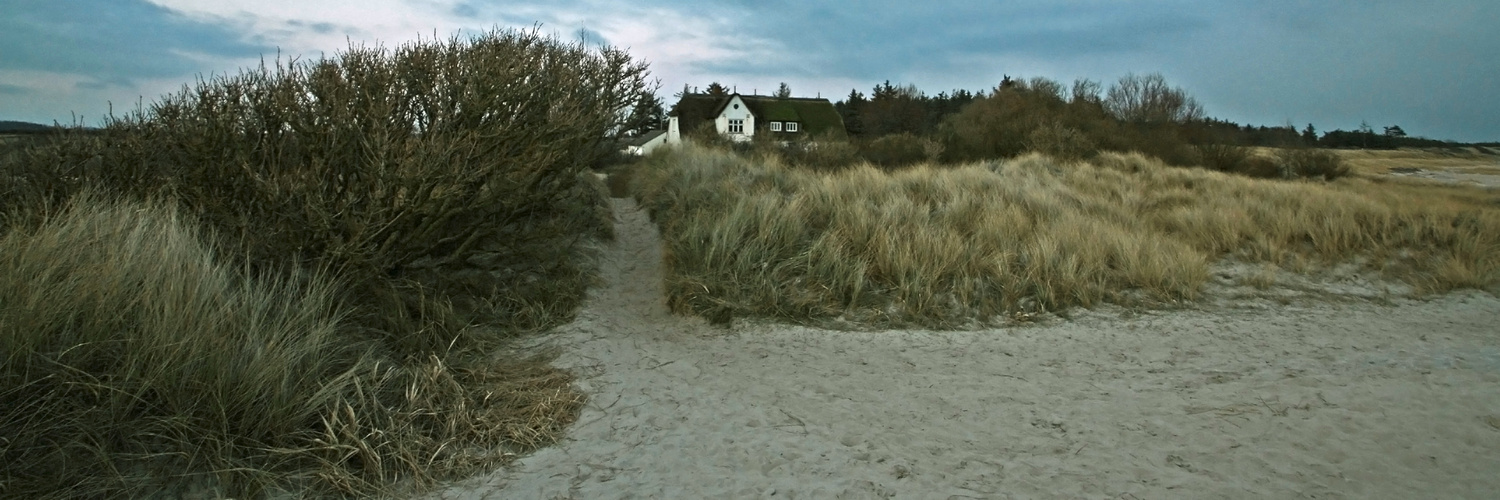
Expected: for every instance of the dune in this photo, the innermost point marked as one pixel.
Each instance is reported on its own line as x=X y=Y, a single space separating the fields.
x=1322 y=398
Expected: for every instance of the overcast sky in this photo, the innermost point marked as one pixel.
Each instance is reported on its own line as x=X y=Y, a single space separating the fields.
x=1430 y=67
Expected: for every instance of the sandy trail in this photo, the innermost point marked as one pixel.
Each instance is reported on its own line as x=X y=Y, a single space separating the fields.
x=1333 y=400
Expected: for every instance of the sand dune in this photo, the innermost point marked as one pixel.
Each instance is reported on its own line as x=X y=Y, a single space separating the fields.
x=1325 y=399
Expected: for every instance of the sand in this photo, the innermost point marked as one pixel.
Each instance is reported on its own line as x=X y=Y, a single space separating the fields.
x=1318 y=398
x=1450 y=176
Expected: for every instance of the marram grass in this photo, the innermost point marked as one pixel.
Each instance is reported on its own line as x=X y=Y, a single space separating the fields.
x=134 y=361
x=948 y=246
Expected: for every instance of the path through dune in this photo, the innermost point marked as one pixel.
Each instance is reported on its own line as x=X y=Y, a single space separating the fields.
x=1328 y=400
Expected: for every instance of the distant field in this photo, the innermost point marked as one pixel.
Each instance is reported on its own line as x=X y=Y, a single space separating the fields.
x=1466 y=161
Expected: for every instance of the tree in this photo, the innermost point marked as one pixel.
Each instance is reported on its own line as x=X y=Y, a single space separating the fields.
x=893 y=110
x=716 y=90
x=647 y=114
x=1394 y=131
x=1148 y=99
x=1310 y=135
x=784 y=91
x=1007 y=82
x=1087 y=91
x=849 y=109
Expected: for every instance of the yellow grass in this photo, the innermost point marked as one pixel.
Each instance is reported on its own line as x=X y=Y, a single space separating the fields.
x=943 y=246
x=1374 y=161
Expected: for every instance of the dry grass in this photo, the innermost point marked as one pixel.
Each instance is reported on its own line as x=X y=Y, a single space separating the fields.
x=297 y=309
x=946 y=246
x=138 y=361
x=1379 y=162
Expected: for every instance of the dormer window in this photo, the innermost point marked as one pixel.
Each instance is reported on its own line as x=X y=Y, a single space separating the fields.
x=791 y=126
x=775 y=126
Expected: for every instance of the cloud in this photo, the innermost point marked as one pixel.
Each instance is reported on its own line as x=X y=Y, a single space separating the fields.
x=904 y=39
x=7 y=89
x=1427 y=67
x=111 y=40
x=592 y=38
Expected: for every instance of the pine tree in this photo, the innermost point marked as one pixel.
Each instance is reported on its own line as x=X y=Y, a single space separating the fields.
x=849 y=109
x=717 y=90
x=648 y=114
x=784 y=91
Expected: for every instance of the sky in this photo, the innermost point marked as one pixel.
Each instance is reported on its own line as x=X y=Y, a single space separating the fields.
x=1429 y=67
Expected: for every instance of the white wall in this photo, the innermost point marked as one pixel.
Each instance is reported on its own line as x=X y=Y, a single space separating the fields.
x=649 y=146
x=736 y=110
x=674 y=131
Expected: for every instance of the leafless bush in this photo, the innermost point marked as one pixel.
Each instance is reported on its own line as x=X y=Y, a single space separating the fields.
x=1223 y=157
x=899 y=150
x=376 y=163
x=1310 y=163
x=1061 y=142
x=1149 y=99
x=414 y=178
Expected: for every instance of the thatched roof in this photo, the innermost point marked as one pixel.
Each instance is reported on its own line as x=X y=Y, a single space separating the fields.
x=815 y=116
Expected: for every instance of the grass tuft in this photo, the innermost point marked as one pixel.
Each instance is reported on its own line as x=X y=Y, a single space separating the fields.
x=310 y=301
x=131 y=349
x=947 y=246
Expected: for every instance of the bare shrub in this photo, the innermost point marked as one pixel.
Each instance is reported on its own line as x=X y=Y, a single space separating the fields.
x=1061 y=142
x=1223 y=157
x=1310 y=163
x=898 y=150
x=826 y=154
x=439 y=185
x=1260 y=167
x=378 y=164
x=1149 y=99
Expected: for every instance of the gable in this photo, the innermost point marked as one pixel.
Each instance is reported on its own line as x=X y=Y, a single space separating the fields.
x=694 y=109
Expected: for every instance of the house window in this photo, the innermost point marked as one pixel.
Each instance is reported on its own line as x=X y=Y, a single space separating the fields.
x=775 y=126
x=736 y=126
x=791 y=126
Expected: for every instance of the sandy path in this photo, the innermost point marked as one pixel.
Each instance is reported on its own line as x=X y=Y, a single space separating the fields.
x=1333 y=401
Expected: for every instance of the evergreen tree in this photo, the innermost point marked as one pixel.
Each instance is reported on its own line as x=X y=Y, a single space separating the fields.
x=784 y=91
x=647 y=114
x=717 y=90
x=1310 y=135
x=849 y=110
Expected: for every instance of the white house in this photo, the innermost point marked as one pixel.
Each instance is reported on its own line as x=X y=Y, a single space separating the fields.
x=740 y=117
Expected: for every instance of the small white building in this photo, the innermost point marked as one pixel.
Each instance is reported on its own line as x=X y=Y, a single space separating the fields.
x=740 y=117
x=643 y=144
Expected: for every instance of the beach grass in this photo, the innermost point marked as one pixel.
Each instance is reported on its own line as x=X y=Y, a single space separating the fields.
x=948 y=246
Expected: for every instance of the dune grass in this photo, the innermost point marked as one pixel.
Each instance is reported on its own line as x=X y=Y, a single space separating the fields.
x=314 y=300
x=1381 y=161
x=130 y=349
x=948 y=246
